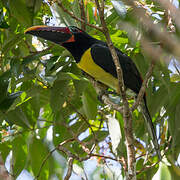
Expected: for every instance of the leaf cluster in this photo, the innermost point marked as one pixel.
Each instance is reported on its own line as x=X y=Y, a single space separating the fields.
x=46 y=100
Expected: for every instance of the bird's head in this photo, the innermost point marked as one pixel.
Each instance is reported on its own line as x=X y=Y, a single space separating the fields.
x=72 y=38
x=57 y=35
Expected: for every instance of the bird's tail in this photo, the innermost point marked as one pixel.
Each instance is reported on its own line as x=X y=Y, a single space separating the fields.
x=150 y=127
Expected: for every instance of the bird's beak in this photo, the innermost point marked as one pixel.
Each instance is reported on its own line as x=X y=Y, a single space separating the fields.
x=57 y=35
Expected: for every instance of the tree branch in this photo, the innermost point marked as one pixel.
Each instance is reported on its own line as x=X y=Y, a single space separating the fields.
x=106 y=157
x=85 y=120
x=49 y=154
x=70 y=168
x=99 y=87
x=83 y=16
x=127 y=116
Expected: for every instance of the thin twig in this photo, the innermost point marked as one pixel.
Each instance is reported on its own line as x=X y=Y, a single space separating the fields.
x=105 y=157
x=76 y=18
x=85 y=175
x=69 y=154
x=83 y=145
x=165 y=151
x=43 y=162
x=170 y=24
x=28 y=46
x=70 y=168
x=49 y=154
x=143 y=87
x=173 y=13
x=83 y=16
x=26 y=59
x=85 y=120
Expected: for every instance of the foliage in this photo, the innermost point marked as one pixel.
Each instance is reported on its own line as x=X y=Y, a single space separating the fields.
x=45 y=99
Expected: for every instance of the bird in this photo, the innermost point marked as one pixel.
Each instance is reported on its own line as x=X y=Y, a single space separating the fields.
x=94 y=58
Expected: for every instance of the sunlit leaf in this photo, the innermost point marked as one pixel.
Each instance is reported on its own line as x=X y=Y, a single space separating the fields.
x=175 y=78
x=114 y=132
x=3 y=23
x=119 y=7
x=162 y=173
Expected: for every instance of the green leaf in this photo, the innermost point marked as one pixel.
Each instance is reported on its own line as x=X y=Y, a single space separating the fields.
x=76 y=9
x=80 y=86
x=65 y=18
x=19 y=154
x=113 y=17
x=175 y=172
x=34 y=56
x=89 y=100
x=59 y=94
x=56 y=167
x=67 y=76
x=18 y=117
x=174 y=128
x=5 y=148
x=158 y=99
x=16 y=39
x=15 y=67
x=90 y=13
x=100 y=135
x=175 y=78
x=4 y=82
x=20 y=11
x=37 y=154
x=60 y=133
x=41 y=95
x=79 y=127
x=37 y=6
x=8 y=101
x=77 y=148
x=162 y=173
x=3 y=23
x=26 y=114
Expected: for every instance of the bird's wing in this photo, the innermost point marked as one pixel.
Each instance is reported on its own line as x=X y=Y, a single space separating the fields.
x=102 y=57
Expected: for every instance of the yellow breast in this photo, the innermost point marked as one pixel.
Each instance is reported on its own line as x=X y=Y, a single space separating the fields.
x=89 y=66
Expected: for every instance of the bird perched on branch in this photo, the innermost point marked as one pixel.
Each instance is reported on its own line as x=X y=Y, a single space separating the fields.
x=93 y=57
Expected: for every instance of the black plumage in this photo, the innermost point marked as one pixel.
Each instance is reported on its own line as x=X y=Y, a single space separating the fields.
x=93 y=56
